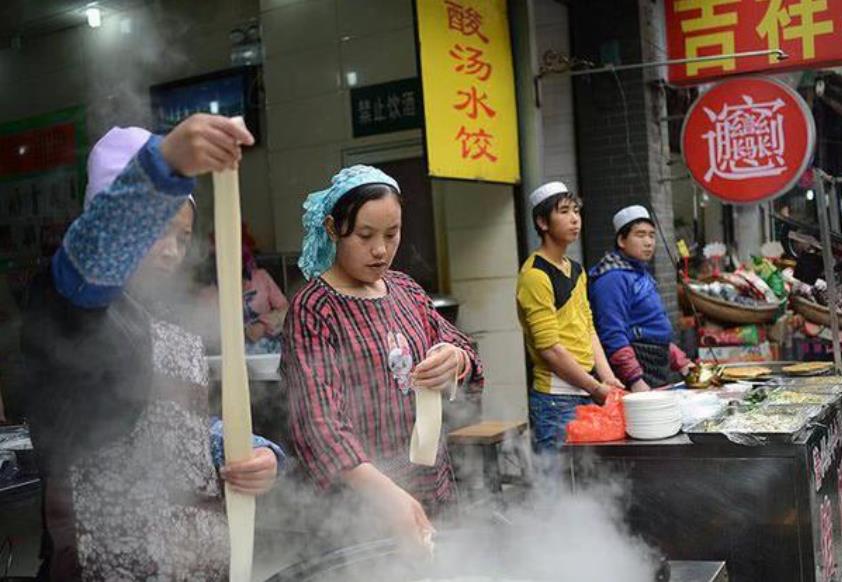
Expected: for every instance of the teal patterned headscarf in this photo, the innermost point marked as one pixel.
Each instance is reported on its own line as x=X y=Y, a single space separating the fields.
x=317 y=250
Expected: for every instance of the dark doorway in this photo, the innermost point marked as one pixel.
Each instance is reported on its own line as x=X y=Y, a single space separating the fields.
x=417 y=253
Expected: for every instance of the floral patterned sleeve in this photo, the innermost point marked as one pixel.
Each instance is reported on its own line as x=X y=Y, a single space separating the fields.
x=104 y=246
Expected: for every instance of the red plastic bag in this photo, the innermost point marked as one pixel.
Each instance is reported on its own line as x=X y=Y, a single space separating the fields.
x=594 y=423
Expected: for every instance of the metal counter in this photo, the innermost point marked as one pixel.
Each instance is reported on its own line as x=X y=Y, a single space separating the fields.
x=771 y=512
x=698 y=572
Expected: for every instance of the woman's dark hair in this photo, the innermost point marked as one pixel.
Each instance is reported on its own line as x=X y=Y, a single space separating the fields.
x=546 y=207
x=345 y=211
x=626 y=230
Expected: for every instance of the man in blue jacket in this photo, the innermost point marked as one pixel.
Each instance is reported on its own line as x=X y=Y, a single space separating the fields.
x=630 y=317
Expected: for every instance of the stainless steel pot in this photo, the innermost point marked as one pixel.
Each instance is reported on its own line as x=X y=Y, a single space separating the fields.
x=459 y=553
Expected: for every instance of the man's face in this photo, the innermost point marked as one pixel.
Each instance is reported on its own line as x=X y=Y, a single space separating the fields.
x=565 y=223
x=640 y=242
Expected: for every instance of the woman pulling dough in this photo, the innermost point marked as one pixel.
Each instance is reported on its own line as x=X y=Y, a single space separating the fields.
x=117 y=381
x=357 y=339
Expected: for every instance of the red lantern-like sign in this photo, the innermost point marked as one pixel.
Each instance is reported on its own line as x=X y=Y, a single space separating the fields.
x=748 y=140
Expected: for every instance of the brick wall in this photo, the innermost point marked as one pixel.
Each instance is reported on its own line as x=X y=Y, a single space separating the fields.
x=622 y=144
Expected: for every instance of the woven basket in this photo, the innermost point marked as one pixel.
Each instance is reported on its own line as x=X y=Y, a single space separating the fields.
x=728 y=312
x=812 y=311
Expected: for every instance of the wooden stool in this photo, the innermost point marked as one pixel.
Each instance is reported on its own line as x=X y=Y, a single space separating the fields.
x=488 y=434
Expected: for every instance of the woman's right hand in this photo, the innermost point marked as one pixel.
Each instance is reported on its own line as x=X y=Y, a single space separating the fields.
x=407 y=519
x=205 y=143
x=400 y=510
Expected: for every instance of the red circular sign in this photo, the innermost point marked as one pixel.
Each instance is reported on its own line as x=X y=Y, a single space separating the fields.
x=748 y=139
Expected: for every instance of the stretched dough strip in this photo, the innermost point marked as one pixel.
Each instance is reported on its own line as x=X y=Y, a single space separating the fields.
x=236 y=405
x=424 y=444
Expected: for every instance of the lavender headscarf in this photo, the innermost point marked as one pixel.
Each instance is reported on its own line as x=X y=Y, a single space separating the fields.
x=110 y=156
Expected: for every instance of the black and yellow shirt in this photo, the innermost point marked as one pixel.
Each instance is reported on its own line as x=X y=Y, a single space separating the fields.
x=553 y=308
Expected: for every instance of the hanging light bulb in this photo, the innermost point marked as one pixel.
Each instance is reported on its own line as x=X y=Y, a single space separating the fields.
x=94 y=16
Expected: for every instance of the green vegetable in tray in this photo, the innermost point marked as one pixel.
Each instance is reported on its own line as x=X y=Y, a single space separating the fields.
x=756 y=396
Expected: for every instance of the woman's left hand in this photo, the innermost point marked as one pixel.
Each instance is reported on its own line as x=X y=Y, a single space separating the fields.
x=254 y=476
x=439 y=368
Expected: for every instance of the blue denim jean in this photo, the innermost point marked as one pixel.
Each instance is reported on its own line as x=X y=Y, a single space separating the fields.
x=548 y=417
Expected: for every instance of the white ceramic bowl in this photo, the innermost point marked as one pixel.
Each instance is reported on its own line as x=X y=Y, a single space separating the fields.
x=263 y=365
x=259 y=367
x=660 y=432
x=650 y=399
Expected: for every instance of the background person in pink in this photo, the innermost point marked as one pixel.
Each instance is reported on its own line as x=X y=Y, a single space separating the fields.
x=264 y=307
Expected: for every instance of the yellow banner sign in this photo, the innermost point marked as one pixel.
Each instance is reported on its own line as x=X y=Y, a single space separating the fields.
x=469 y=93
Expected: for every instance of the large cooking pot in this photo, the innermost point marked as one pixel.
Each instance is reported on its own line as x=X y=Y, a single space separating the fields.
x=459 y=553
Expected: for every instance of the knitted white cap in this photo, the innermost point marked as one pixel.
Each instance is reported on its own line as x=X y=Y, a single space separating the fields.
x=541 y=193
x=630 y=214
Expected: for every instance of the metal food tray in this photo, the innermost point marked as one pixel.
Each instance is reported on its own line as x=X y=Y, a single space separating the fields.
x=700 y=434
x=815 y=384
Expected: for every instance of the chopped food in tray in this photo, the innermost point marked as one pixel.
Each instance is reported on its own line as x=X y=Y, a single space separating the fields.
x=814 y=387
x=811 y=381
x=833 y=390
x=778 y=397
x=771 y=419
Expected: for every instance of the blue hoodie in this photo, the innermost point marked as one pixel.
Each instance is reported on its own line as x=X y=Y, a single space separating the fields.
x=626 y=304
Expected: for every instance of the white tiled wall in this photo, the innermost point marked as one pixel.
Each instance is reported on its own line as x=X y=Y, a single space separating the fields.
x=482 y=256
x=311 y=47
x=552 y=32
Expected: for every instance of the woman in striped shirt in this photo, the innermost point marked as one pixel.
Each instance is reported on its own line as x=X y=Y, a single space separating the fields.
x=357 y=337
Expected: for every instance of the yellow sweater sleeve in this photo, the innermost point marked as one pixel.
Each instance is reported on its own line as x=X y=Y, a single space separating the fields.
x=536 y=300
x=586 y=304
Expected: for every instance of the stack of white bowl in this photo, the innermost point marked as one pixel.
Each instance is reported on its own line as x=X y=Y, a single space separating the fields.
x=652 y=415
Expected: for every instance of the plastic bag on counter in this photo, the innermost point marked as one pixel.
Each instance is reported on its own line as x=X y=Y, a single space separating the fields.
x=594 y=423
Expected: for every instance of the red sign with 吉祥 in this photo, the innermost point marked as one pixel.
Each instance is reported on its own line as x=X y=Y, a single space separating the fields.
x=808 y=31
x=748 y=140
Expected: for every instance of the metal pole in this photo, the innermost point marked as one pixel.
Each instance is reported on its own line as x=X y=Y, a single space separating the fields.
x=611 y=68
x=833 y=200
x=829 y=264
x=565 y=64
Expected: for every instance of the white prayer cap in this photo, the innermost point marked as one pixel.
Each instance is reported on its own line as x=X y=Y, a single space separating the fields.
x=547 y=190
x=628 y=215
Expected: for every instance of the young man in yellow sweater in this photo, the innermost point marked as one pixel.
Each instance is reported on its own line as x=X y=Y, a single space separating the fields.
x=570 y=367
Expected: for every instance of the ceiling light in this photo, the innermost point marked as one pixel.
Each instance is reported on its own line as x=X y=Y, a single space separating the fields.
x=94 y=16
